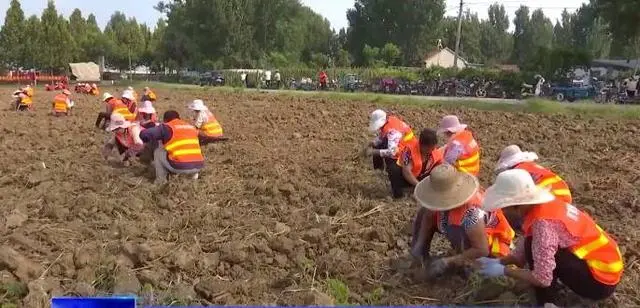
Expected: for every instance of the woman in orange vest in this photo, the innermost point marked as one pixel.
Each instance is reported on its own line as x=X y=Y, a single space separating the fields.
x=512 y=157
x=180 y=152
x=149 y=95
x=392 y=134
x=146 y=115
x=462 y=150
x=112 y=105
x=561 y=242
x=419 y=157
x=451 y=200
x=126 y=138
x=209 y=129
x=62 y=104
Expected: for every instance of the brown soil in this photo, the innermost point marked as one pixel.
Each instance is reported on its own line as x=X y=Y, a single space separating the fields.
x=282 y=213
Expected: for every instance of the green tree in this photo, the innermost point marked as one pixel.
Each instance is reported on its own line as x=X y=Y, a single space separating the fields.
x=57 y=37
x=126 y=41
x=33 y=36
x=521 y=36
x=622 y=17
x=495 y=42
x=78 y=30
x=11 y=44
x=390 y=54
x=95 y=43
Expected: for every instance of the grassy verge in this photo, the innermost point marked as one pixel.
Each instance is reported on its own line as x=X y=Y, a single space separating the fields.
x=530 y=105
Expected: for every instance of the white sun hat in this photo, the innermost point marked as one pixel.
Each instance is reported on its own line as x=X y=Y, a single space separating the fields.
x=513 y=155
x=106 y=96
x=451 y=123
x=514 y=187
x=198 y=105
x=377 y=120
x=128 y=95
x=130 y=88
x=146 y=107
x=117 y=121
x=445 y=189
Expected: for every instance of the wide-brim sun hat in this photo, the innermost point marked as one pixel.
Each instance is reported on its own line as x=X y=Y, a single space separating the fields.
x=128 y=95
x=117 y=121
x=146 y=107
x=197 y=105
x=515 y=187
x=451 y=123
x=513 y=155
x=445 y=189
x=377 y=120
x=106 y=96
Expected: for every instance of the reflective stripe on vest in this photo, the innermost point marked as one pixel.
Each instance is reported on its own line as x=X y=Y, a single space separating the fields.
x=469 y=161
x=500 y=236
x=212 y=128
x=184 y=145
x=546 y=178
x=394 y=123
x=120 y=108
x=60 y=103
x=595 y=246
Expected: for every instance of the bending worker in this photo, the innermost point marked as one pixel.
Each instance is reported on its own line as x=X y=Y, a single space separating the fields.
x=451 y=205
x=418 y=158
x=561 y=242
x=513 y=158
x=180 y=152
x=146 y=115
x=209 y=129
x=462 y=150
x=126 y=138
x=62 y=104
x=392 y=134
x=112 y=105
x=149 y=95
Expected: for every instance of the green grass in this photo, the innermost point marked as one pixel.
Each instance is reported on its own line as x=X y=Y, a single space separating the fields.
x=530 y=105
x=339 y=291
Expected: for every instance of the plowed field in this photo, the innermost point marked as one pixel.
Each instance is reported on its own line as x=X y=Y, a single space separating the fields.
x=286 y=207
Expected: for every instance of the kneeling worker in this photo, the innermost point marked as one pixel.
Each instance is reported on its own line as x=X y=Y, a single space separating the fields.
x=209 y=129
x=180 y=152
x=126 y=138
x=62 y=104
x=418 y=158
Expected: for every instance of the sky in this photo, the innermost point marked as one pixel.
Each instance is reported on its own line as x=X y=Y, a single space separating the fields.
x=333 y=10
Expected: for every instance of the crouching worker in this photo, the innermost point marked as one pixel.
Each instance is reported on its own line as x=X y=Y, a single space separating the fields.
x=180 y=152
x=113 y=105
x=419 y=157
x=451 y=205
x=126 y=138
x=62 y=104
x=560 y=242
x=22 y=101
x=209 y=129
x=146 y=115
x=392 y=135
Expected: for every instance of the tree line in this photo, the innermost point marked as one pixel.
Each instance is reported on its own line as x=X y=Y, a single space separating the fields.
x=214 y=34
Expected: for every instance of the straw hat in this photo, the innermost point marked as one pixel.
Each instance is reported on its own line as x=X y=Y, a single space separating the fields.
x=513 y=155
x=117 y=121
x=451 y=123
x=146 y=107
x=197 y=105
x=514 y=187
x=377 y=120
x=106 y=96
x=445 y=189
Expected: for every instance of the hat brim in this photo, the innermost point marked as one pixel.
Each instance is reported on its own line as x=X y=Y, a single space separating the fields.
x=147 y=110
x=435 y=200
x=113 y=127
x=377 y=124
x=198 y=108
x=494 y=200
x=518 y=158
x=454 y=129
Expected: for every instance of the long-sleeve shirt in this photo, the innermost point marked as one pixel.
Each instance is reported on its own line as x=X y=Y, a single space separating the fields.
x=201 y=119
x=547 y=236
x=163 y=133
x=453 y=152
x=393 y=140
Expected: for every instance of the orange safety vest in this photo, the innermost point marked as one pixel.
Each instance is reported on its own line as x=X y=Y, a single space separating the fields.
x=544 y=177
x=26 y=100
x=499 y=237
x=394 y=123
x=149 y=96
x=60 y=103
x=594 y=246
x=436 y=158
x=212 y=128
x=95 y=92
x=469 y=161
x=29 y=92
x=184 y=145
x=119 y=107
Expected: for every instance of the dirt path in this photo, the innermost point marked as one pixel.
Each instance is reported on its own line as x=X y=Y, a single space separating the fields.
x=284 y=207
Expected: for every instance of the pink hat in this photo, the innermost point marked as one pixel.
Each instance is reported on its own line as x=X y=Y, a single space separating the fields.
x=146 y=107
x=450 y=123
x=117 y=121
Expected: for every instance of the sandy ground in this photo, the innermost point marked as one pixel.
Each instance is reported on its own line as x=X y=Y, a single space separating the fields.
x=285 y=213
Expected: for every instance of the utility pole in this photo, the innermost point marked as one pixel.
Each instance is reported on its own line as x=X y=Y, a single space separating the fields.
x=455 y=59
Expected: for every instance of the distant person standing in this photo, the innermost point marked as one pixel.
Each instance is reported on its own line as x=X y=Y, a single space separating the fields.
x=278 y=79
x=243 y=78
x=267 y=78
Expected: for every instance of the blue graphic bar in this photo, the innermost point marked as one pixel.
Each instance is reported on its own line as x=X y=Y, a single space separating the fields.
x=93 y=302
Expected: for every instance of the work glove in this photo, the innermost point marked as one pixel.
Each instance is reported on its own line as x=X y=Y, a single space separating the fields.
x=437 y=267
x=492 y=269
